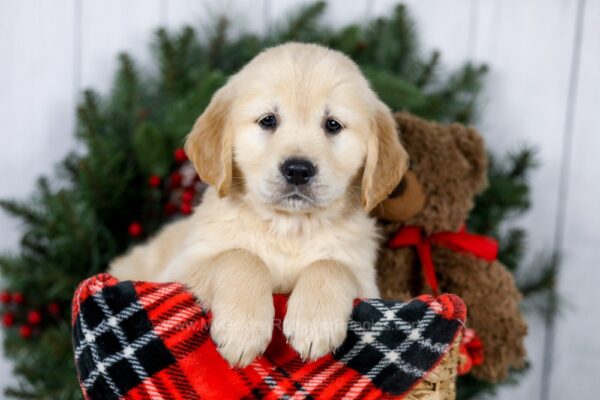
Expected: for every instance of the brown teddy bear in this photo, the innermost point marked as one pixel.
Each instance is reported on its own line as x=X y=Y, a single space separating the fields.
x=424 y=217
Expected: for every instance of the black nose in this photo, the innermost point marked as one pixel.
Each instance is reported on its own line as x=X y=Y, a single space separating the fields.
x=297 y=171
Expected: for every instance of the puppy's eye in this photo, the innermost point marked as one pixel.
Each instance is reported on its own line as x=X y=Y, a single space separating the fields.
x=268 y=122
x=332 y=127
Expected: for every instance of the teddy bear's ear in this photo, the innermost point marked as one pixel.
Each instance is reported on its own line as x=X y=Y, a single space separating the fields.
x=471 y=145
x=406 y=201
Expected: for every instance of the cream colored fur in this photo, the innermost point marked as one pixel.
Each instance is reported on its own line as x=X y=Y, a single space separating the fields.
x=248 y=240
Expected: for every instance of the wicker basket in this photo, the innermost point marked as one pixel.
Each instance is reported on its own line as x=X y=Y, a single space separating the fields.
x=440 y=384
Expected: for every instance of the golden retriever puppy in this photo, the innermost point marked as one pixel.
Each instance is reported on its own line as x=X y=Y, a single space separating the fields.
x=297 y=150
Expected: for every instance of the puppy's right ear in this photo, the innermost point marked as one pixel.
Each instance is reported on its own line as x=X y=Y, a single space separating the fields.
x=209 y=144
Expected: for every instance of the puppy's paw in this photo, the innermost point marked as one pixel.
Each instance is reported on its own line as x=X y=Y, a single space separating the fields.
x=242 y=332
x=314 y=326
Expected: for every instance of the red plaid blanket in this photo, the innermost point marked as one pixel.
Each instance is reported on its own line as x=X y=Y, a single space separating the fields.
x=140 y=340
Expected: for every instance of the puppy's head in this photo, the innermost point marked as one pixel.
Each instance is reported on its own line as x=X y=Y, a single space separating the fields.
x=296 y=130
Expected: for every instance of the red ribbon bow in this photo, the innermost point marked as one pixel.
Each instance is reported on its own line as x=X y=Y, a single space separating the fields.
x=480 y=246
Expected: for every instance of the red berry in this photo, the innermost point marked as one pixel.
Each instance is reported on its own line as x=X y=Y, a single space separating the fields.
x=34 y=317
x=185 y=208
x=8 y=319
x=154 y=181
x=135 y=229
x=25 y=331
x=53 y=308
x=175 y=179
x=179 y=155
x=187 y=196
x=170 y=208
x=5 y=297
x=18 y=298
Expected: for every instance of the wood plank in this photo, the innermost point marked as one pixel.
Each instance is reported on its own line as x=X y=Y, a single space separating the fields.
x=245 y=15
x=113 y=26
x=577 y=348
x=37 y=104
x=487 y=32
x=37 y=97
x=441 y=25
x=342 y=13
x=337 y=14
x=528 y=45
x=527 y=90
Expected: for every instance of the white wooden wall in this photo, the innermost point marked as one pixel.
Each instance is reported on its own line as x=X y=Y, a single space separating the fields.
x=543 y=89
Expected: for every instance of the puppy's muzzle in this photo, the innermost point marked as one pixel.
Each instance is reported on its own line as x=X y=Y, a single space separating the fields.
x=298 y=171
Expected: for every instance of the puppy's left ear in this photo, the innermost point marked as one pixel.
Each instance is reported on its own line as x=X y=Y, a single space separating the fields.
x=209 y=144
x=386 y=162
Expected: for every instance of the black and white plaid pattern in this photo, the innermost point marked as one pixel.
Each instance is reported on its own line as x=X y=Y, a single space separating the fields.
x=393 y=343
x=115 y=345
x=144 y=340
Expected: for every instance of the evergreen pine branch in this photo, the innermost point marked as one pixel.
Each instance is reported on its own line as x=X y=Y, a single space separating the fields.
x=26 y=211
x=185 y=42
x=126 y=85
x=10 y=265
x=165 y=54
x=403 y=28
x=540 y=276
x=303 y=24
x=217 y=41
x=22 y=393
x=90 y=122
x=349 y=40
x=397 y=93
x=68 y=170
x=455 y=100
x=507 y=194
x=523 y=162
x=428 y=72
x=177 y=60
x=512 y=248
